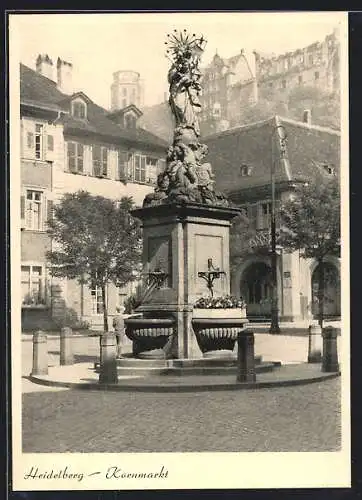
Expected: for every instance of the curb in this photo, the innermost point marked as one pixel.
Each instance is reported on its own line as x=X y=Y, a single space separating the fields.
x=93 y=386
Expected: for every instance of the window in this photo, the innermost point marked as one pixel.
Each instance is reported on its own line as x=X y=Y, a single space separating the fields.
x=32 y=286
x=245 y=170
x=134 y=96
x=264 y=215
x=100 y=161
x=270 y=85
x=97 y=302
x=38 y=141
x=33 y=210
x=124 y=103
x=79 y=109
x=124 y=91
x=75 y=154
x=300 y=79
x=123 y=163
x=284 y=84
x=316 y=75
x=151 y=167
x=310 y=59
x=140 y=168
x=330 y=170
x=130 y=121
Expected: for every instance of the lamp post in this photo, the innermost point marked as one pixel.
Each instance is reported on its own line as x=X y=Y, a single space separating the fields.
x=274 y=324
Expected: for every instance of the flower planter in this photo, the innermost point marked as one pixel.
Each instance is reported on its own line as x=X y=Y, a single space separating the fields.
x=218 y=313
x=150 y=336
x=217 y=330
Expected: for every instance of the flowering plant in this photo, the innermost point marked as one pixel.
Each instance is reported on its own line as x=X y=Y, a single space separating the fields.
x=225 y=302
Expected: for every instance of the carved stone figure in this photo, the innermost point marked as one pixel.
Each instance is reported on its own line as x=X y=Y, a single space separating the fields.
x=187 y=177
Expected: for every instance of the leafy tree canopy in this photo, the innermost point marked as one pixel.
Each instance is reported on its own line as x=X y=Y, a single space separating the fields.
x=311 y=220
x=98 y=240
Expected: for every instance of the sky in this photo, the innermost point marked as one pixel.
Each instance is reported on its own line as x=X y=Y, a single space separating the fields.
x=99 y=44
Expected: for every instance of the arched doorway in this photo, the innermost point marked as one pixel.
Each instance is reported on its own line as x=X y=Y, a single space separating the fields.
x=332 y=291
x=256 y=289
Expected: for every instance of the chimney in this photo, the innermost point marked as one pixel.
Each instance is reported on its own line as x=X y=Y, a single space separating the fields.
x=44 y=66
x=64 y=76
x=307 y=117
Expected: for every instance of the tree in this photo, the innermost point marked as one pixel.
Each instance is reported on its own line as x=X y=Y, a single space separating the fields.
x=99 y=242
x=311 y=224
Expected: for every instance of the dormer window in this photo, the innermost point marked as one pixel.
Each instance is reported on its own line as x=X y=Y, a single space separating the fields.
x=329 y=169
x=245 y=170
x=130 y=121
x=79 y=109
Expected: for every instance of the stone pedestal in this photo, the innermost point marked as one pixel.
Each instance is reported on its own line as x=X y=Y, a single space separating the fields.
x=178 y=239
x=330 y=353
x=40 y=354
x=246 y=359
x=66 y=348
x=315 y=344
x=108 y=364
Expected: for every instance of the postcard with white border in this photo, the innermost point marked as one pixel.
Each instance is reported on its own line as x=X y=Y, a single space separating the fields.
x=178 y=240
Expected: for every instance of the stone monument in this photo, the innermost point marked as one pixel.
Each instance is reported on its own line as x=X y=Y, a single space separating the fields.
x=185 y=221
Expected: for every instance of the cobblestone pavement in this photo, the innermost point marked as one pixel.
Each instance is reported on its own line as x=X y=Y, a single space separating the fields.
x=304 y=418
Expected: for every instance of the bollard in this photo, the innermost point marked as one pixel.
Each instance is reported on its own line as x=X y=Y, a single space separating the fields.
x=108 y=359
x=315 y=344
x=330 y=354
x=40 y=354
x=246 y=361
x=66 y=351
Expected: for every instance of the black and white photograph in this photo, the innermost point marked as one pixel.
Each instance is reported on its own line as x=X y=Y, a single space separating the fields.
x=179 y=250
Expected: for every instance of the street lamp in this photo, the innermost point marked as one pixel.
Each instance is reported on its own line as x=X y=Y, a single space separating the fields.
x=274 y=324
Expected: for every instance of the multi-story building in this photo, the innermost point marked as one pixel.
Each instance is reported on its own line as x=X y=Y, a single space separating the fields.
x=70 y=143
x=243 y=159
x=127 y=88
x=231 y=86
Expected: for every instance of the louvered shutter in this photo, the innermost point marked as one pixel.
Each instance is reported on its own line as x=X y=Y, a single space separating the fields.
x=80 y=157
x=50 y=147
x=252 y=216
x=49 y=210
x=29 y=139
x=122 y=166
x=104 y=152
x=22 y=211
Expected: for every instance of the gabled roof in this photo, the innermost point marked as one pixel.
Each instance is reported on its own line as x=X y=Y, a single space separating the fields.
x=40 y=90
x=257 y=146
x=123 y=111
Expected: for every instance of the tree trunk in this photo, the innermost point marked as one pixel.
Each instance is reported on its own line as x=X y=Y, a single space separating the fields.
x=320 y=293
x=105 y=311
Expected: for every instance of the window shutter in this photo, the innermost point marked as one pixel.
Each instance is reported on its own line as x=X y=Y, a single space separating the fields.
x=258 y=216
x=50 y=206
x=143 y=169
x=252 y=215
x=30 y=140
x=49 y=153
x=80 y=155
x=50 y=142
x=22 y=211
x=104 y=162
x=122 y=165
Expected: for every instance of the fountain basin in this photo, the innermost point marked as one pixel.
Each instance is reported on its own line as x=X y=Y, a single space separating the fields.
x=150 y=336
x=217 y=336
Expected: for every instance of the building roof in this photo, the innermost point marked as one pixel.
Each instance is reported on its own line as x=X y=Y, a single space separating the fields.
x=310 y=150
x=39 y=90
